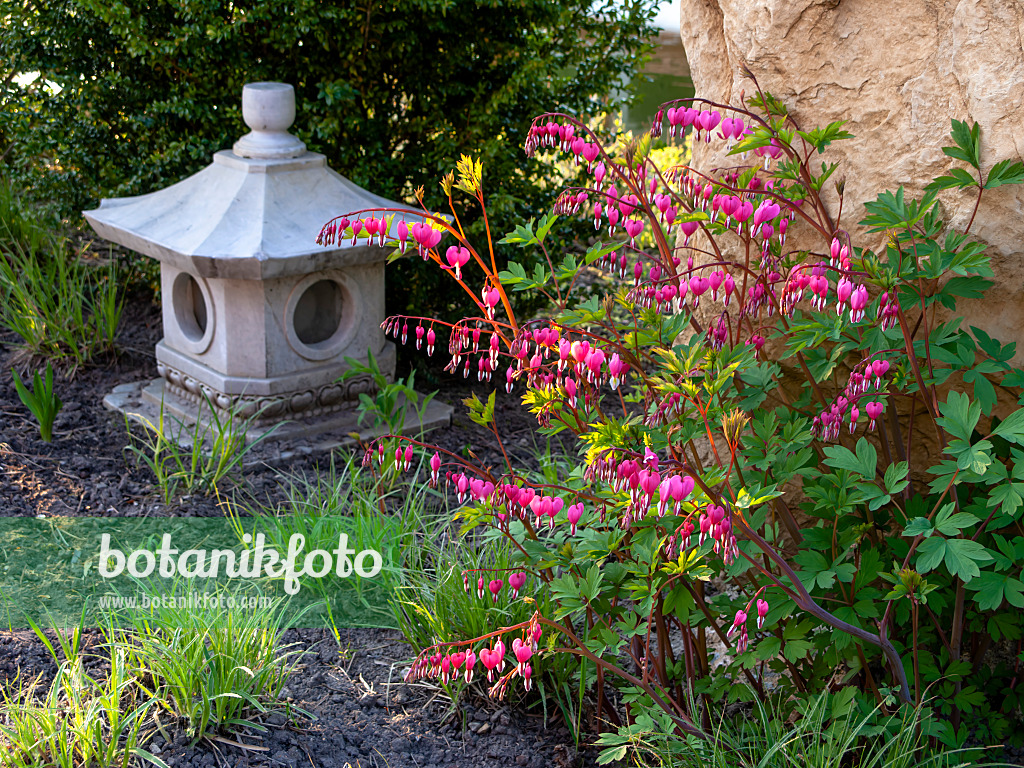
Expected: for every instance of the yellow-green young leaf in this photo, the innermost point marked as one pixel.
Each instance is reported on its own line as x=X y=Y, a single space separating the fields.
x=470 y=174
x=689 y=563
x=480 y=413
x=745 y=500
x=472 y=517
x=643 y=146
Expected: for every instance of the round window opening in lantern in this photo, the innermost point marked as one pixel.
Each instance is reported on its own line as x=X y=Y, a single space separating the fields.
x=190 y=308
x=318 y=312
x=319 y=316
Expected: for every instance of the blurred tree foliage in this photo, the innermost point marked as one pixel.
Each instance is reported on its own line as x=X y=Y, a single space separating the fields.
x=133 y=95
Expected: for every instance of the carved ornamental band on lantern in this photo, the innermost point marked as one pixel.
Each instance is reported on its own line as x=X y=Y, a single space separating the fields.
x=257 y=317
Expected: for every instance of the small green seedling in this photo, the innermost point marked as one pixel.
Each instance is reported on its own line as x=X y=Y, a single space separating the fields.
x=42 y=401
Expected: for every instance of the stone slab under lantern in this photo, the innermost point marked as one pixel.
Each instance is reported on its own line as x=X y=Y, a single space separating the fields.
x=142 y=402
x=258 y=319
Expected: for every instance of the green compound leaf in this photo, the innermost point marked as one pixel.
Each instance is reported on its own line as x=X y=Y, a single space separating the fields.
x=1005 y=172
x=1008 y=495
x=896 y=477
x=968 y=143
x=959 y=415
x=1012 y=427
x=957 y=177
x=962 y=557
x=863 y=462
x=930 y=554
x=976 y=457
x=993 y=588
x=919 y=526
x=949 y=524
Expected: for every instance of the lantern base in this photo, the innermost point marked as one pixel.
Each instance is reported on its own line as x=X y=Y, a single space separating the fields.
x=156 y=407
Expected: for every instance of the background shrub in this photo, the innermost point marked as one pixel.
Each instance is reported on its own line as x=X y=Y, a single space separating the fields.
x=134 y=95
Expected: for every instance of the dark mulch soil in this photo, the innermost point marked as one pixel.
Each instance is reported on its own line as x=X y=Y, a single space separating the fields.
x=87 y=469
x=364 y=714
x=360 y=713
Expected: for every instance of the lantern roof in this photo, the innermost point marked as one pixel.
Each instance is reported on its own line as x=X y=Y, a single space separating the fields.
x=255 y=212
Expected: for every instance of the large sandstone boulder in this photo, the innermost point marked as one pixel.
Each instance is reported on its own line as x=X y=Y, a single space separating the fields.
x=897 y=71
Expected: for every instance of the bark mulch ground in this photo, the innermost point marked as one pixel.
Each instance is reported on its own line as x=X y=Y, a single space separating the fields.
x=364 y=715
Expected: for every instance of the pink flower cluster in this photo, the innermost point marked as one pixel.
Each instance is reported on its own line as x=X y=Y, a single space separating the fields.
x=647 y=486
x=546 y=507
x=679 y=541
x=570 y=203
x=815 y=279
x=888 y=310
x=445 y=667
x=399 y=327
x=435 y=662
x=703 y=122
x=715 y=523
x=537 y=351
x=371 y=228
x=757 y=211
x=515 y=583
x=551 y=135
x=463 y=343
x=474 y=488
x=379 y=230
x=739 y=623
x=845 y=409
x=626 y=209
x=518 y=502
x=752 y=211
x=718 y=283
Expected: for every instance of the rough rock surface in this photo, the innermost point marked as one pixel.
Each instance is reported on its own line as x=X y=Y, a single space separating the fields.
x=897 y=71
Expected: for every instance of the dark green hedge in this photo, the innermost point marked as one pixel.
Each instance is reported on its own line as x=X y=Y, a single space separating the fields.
x=391 y=92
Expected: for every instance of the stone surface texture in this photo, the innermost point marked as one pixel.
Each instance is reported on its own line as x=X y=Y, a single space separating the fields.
x=898 y=71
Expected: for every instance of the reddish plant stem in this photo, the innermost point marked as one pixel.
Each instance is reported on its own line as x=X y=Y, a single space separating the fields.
x=682 y=722
x=804 y=600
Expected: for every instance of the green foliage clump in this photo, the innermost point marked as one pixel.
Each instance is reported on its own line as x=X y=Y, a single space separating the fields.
x=214 y=669
x=64 y=309
x=41 y=400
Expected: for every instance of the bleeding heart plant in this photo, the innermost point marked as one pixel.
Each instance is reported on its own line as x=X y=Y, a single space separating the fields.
x=750 y=418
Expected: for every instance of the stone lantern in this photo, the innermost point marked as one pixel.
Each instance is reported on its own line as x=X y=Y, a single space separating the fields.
x=257 y=317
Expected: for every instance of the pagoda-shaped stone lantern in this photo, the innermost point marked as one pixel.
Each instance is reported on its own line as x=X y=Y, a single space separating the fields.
x=257 y=317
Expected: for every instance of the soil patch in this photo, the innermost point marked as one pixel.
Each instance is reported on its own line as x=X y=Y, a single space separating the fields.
x=87 y=469
x=364 y=715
